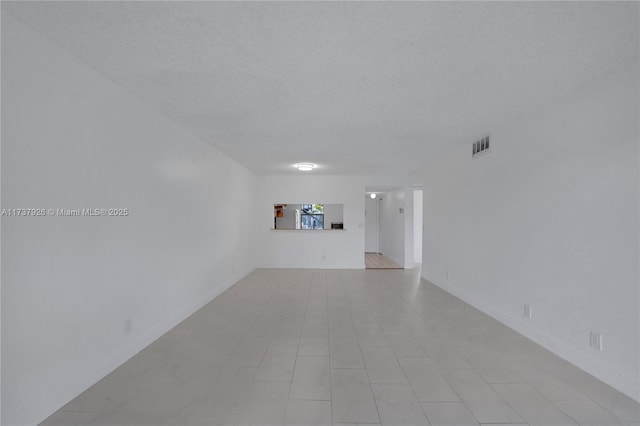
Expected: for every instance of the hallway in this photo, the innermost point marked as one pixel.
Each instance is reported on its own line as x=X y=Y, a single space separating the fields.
x=303 y=347
x=378 y=261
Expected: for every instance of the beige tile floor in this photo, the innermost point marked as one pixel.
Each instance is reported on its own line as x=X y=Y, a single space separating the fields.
x=323 y=347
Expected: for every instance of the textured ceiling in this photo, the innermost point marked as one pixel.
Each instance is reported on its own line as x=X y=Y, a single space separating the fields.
x=359 y=87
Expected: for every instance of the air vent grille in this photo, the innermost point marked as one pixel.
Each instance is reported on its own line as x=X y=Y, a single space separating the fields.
x=480 y=147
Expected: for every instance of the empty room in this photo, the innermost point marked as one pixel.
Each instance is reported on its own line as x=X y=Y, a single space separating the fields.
x=320 y=213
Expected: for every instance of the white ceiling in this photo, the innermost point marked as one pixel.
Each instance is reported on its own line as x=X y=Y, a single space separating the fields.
x=359 y=87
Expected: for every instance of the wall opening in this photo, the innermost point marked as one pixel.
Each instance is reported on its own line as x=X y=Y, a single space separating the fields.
x=371 y=225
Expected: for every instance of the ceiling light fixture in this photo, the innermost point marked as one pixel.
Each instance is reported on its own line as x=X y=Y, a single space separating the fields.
x=373 y=195
x=305 y=167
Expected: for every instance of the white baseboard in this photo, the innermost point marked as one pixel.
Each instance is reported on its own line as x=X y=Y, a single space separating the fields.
x=602 y=372
x=109 y=363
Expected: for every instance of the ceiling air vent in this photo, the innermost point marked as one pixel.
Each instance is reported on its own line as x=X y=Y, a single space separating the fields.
x=481 y=147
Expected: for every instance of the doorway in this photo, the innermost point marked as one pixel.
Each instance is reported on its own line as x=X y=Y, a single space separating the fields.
x=373 y=259
x=371 y=224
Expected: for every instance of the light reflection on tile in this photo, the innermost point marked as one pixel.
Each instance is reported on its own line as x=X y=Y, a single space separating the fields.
x=348 y=346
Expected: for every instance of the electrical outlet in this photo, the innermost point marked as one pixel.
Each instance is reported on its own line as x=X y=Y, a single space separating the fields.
x=595 y=340
x=527 y=311
x=448 y=275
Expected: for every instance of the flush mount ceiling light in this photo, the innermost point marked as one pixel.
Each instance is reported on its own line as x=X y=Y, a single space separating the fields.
x=373 y=195
x=305 y=167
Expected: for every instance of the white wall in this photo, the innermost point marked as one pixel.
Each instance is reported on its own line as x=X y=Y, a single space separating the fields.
x=417 y=225
x=391 y=225
x=396 y=228
x=371 y=225
x=73 y=139
x=408 y=228
x=549 y=218
x=288 y=219
x=310 y=249
x=333 y=213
